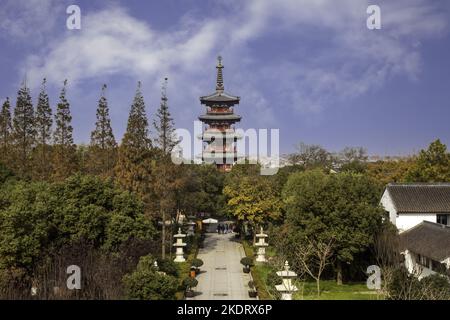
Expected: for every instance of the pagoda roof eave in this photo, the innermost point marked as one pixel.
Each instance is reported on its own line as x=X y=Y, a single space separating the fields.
x=219 y=97
x=212 y=118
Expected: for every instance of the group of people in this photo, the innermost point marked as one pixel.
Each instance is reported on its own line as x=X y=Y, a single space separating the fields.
x=223 y=228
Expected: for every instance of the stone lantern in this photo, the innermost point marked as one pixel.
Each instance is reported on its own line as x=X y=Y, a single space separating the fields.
x=261 y=244
x=179 y=245
x=190 y=228
x=286 y=288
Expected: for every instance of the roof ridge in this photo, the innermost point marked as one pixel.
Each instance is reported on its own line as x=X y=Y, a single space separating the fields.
x=413 y=228
x=425 y=222
x=435 y=224
x=419 y=184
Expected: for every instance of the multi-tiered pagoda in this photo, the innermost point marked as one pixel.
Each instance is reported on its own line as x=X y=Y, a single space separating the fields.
x=219 y=134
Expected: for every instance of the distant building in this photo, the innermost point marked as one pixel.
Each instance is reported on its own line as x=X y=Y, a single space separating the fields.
x=426 y=248
x=409 y=204
x=219 y=134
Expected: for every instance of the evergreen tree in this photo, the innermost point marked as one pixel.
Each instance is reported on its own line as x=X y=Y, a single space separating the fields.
x=5 y=132
x=134 y=166
x=164 y=125
x=43 y=125
x=23 y=134
x=64 y=153
x=168 y=183
x=432 y=165
x=103 y=147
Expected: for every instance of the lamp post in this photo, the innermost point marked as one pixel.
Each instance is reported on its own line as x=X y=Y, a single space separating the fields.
x=261 y=244
x=179 y=245
x=286 y=288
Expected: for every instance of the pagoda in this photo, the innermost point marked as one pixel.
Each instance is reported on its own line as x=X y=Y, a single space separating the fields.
x=219 y=133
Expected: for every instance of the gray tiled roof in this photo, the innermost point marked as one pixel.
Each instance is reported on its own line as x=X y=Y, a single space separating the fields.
x=428 y=239
x=420 y=198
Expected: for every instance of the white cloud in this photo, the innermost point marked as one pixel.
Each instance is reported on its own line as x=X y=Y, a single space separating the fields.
x=355 y=60
x=28 y=20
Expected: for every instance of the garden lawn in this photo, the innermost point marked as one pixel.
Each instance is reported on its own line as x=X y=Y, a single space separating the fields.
x=307 y=290
x=331 y=291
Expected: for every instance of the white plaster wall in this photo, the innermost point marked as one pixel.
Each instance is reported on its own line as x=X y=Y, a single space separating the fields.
x=388 y=205
x=414 y=268
x=409 y=261
x=406 y=221
x=447 y=263
x=425 y=272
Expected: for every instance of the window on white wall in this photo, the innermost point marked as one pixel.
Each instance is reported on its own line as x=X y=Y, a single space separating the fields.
x=443 y=219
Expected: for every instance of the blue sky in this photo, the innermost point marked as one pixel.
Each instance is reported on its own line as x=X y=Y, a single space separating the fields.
x=310 y=68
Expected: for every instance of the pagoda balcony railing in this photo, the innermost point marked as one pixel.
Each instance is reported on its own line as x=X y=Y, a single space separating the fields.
x=219 y=155
x=220 y=150
x=219 y=134
x=219 y=110
x=216 y=127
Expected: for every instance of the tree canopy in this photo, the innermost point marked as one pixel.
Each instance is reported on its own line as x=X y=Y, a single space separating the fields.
x=253 y=199
x=40 y=217
x=343 y=207
x=431 y=165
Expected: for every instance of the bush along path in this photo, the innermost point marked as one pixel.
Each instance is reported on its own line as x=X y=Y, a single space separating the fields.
x=184 y=268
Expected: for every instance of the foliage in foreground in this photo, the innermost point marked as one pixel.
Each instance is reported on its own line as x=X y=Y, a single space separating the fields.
x=340 y=208
x=146 y=283
x=406 y=286
x=37 y=219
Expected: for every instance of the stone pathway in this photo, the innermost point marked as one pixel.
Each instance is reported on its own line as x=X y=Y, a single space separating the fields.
x=221 y=276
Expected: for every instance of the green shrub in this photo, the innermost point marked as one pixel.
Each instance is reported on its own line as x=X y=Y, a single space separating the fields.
x=147 y=284
x=5 y=173
x=435 y=287
x=273 y=279
x=168 y=266
x=189 y=283
x=247 y=261
x=197 y=262
x=405 y=286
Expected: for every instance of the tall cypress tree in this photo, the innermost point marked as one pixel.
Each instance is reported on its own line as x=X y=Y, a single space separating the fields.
x=23 y=134
x=43 y=125
x=5 y=132
x=166 y=175
x=64 y=150
x=134 y=165
x=103 y=147
x=164 y=124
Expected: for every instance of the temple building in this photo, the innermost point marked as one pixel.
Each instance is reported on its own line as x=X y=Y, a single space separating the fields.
x=219 y=134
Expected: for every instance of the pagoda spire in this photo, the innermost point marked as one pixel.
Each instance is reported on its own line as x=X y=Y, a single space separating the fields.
x=219 y=82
